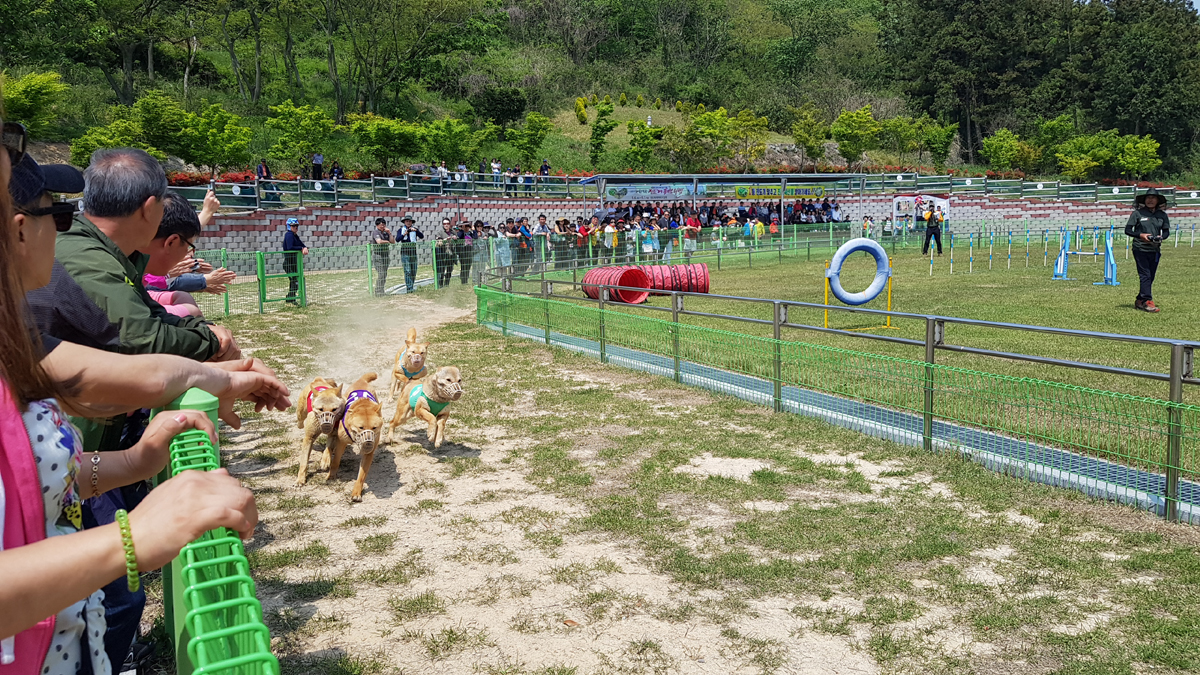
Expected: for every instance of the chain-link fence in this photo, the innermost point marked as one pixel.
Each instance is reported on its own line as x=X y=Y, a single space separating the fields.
x=1136 y=450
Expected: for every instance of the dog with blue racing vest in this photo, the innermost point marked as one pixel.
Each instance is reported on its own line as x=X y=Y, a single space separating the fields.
x=410 y=363
x=361 y=426
x=430 y=400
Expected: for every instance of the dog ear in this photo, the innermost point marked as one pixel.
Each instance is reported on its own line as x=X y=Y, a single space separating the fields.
x=412 y=336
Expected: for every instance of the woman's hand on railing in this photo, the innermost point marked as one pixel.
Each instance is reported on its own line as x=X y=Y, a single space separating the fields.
x=152 y=451
x=185 y=507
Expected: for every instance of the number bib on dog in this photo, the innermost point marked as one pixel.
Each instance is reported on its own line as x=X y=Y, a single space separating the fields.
x=356 y=395
x=418 y=393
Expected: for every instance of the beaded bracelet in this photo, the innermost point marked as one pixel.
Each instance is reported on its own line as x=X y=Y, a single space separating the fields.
x=131 y=569
x=96 y=474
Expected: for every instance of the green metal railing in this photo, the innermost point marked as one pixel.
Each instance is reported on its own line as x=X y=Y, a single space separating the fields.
x=212 y=612
x=1139 y=450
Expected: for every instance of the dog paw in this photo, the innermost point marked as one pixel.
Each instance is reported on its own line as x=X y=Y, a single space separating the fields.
x=301 y=482
x=355 y=498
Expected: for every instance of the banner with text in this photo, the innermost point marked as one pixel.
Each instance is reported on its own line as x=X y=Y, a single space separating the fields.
x=651 y=192
x=768 y=192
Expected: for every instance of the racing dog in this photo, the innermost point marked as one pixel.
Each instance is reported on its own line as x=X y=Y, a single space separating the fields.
x=318 y=411
x=429 y=400
x=410 y=363
x=361 y=426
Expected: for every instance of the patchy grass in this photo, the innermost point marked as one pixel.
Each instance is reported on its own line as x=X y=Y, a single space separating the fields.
x=264 y=561
x=411 y=566
x=376 y=543
x=409 y=608
x=449 y=641
x=364 y=521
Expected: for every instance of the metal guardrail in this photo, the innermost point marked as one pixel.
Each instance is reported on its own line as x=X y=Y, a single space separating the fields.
x=277 y=194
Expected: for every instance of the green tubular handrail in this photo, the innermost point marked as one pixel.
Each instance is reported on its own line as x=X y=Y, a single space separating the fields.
x=213 y=614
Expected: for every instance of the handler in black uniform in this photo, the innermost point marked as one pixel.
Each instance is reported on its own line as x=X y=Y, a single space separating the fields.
x=1148 y=225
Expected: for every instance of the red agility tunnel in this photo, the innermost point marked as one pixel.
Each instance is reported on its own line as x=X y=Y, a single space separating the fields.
x=691 y=278
x=617 y=276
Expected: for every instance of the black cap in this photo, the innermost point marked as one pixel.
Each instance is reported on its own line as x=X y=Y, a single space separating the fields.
x=29 y=180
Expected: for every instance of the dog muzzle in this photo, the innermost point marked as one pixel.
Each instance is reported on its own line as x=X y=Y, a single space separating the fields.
x=326 y=420
x=365 y=439
x=454 y=389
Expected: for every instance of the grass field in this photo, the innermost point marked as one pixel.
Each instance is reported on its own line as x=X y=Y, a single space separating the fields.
x=1024 y=295
x=585 y=520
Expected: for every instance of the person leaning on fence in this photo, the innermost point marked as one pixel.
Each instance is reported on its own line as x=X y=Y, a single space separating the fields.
x=408 y=235
x=481 y=235
x=933 y=230
x=380 y=240
x=445 y=239
x=465 y=251
x=293 y=248
x=1148 y=225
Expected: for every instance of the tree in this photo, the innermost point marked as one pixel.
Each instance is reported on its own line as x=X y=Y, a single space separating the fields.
x=220 y=141
x=1081 y=155
x=608 y=99
x=748 y=138
x=810 y=131
x=1002 y=149
x=899 y=134
x=658 y=103
x=641 y=101
x=386 y=140
x=1077 y=167
x=500 y=105
x=678 y=106
x=166 y=125
x=1138 y=156
x=856 y=132
x=33 y=100
x=592 y=100
x=701 y=143
x=454 y=140
x=581 y=110
x=643 y=140
x=120 y=133
x=528 y=139
x=938 y=138
x=302 y=131
x=624 y=100
x=600 y=130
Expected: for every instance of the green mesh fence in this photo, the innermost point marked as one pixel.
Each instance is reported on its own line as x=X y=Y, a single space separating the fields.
x=212 y=612
x=1107 y=444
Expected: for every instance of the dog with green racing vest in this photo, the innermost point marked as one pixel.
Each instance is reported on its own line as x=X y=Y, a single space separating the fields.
x=430 y=400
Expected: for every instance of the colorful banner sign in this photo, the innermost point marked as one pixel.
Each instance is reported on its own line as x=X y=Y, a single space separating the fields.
x=911 y=208
x=768 y=192
x=653 y=192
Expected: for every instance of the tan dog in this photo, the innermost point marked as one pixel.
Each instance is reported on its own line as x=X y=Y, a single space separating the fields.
x=410 y=363
x=361 y=425
x=430 y=400
x=318 y=412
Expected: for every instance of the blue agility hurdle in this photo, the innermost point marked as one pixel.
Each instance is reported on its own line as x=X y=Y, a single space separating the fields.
x=1062 y=262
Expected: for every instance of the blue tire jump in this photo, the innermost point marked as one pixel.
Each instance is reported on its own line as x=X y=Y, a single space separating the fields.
x=883 y=271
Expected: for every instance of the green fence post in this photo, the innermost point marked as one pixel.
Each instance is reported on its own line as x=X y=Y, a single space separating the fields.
x=433 y=259
x=370 y=272
x=260 y=270
x=933 y=332
x=676 y=306
x=300 y=275
x=546 y=308
x=600 y=296
x=778 y=319
x=225 y=265
x=1179 y=359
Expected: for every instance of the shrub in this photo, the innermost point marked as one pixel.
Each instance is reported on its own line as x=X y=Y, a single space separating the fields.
x=624 y=99
x=641 y=101
x=33 y=100
x=678 y=106
x=658 y=103
x=581 y=110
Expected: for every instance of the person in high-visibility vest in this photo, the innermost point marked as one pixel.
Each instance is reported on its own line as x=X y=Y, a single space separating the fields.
x=933 y=230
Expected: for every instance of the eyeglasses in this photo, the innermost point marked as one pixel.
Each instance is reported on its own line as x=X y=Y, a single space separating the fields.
x=63 y=213
x=14 y=140
x=191 y=247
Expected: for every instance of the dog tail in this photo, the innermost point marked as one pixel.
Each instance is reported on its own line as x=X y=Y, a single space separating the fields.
x=412 y=336
x=370 y=377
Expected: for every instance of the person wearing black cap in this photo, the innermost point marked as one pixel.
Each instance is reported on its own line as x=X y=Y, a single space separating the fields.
x=380 y=238
x=1148 y=225
x=408 y=235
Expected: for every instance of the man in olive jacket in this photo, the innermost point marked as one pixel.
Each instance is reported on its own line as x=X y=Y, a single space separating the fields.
x=1148 y=225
